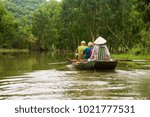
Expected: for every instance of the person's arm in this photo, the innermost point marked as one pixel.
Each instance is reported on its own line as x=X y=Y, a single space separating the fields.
x=76 y=51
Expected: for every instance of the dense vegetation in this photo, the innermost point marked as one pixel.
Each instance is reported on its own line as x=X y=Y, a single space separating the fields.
x=42 y=25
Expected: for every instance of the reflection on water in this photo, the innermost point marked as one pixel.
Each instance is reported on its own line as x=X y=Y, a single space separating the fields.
x=53 y=84
x=30 y=77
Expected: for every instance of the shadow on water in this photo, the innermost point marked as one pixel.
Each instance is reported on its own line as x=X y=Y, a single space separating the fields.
x=30 y=76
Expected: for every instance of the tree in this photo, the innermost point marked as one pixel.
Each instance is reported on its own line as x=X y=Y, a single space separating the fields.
x=143 y=9
x=20 y=13
x=8 y=28
x=41 y=25
x=87 y=19
x=46 y=25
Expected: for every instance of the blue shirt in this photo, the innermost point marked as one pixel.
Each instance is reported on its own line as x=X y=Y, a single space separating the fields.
x=87 y=52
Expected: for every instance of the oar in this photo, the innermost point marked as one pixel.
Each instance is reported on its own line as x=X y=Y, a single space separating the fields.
x=68 y=61
x=57 y=63
x=129 y=60
x=72 y=60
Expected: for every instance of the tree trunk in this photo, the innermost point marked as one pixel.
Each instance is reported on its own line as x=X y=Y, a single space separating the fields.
x=92 y=35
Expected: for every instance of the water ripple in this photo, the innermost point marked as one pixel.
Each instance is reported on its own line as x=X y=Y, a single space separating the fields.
x=53 y=84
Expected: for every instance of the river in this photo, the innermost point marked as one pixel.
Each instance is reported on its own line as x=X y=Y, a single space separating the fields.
x=32 y=76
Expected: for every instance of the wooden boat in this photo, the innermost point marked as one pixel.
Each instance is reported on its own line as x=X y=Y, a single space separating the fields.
x=95 y=65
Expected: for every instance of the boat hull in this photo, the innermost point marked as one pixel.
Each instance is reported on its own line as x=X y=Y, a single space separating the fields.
x=96 y=65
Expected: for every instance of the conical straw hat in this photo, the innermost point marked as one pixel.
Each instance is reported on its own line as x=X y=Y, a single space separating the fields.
x=100 y=40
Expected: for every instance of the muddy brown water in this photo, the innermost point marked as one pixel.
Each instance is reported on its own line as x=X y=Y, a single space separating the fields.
x=31 y=76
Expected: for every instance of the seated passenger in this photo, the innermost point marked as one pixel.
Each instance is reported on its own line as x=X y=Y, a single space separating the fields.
x=88 y=51
x=80 y=50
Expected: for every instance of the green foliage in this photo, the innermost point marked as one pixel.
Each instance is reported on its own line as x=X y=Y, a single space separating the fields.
x=19 y=14
x=86 y=20
x=41 y=25
x=8 y=28
x=135 y=51
x=23 y=8
x=46 y=25
x=145 y=39
x=144 y=7
x=119 y=21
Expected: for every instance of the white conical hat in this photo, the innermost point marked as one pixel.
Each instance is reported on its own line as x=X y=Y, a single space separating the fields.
x=100 y=40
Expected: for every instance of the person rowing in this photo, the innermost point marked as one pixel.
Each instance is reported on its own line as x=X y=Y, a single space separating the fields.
x=100 y=51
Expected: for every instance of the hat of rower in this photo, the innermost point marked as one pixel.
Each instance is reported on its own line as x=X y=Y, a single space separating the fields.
x=100 y=40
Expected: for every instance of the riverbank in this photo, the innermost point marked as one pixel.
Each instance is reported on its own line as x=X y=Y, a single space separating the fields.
x=125 y=56
x=130 y=56
x=134 y=65
x=13 y=50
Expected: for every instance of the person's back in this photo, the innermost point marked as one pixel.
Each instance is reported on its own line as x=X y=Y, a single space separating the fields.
x=80 y=49
x=100 y=50
x=87 y=51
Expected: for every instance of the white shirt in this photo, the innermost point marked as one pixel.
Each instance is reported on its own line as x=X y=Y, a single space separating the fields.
x=96 y=51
